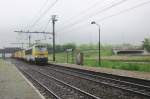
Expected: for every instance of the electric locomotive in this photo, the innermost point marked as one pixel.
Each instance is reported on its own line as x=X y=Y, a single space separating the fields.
x=37 y=54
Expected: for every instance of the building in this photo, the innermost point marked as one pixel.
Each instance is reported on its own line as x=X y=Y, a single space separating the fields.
x=130 y=52
x=7 y=52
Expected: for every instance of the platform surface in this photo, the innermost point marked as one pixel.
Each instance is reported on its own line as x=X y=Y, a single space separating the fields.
x=13 y=85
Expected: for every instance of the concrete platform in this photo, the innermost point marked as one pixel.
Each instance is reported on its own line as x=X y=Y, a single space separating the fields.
x=13 y=85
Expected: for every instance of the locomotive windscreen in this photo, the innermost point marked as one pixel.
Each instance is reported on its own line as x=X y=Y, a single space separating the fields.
x=41 y=48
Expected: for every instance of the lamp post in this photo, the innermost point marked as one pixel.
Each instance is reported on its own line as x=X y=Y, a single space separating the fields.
x=99 y=47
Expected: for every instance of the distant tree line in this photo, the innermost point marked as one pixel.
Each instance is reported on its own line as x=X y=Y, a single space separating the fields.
x=81 y=47
x=61 y=48
x=146 y=44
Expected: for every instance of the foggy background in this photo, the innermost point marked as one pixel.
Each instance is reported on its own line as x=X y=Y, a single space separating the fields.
x=126 y=22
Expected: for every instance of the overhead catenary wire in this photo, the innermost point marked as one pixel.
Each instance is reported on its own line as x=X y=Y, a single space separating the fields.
x=89 y=16
x=39 y=11
x=43 y=25
x=33 y=25
x=105 y=17
x=43 y=28
x=84 y=11
x=126 y=10
x=46 y=28
x=43 y=14
x=118 y=13
x=36 y=15
x=46 y=25
x=93 y=14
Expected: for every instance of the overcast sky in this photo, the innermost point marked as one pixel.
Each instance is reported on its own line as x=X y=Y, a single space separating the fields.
x=119 y=22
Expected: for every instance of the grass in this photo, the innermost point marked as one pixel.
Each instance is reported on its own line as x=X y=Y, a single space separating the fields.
x=62 y=57
x=128 y=58
x=119 y=65
x=132 y=63
x=94 y=53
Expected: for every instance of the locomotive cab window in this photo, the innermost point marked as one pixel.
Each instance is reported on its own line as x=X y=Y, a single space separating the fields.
x=27 y=52
x=40 y=48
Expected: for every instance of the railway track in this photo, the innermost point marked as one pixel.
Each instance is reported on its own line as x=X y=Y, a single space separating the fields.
x=57 y=88
x=98 y=85
x=45 y=90
x=132 y=86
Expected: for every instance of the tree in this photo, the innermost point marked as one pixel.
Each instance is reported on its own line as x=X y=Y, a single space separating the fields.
x=146 y=44
x=69 y=46
x=50 y=48
x=59 y=48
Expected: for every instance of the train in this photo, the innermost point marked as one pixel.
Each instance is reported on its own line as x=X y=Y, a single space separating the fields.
x=37 y=54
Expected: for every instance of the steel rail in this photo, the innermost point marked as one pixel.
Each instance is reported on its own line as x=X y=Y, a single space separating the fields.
x=117 y=77
x=125 y=82
x=115 y=86
x=51 y=92
x=73 y=87
x=97 y=76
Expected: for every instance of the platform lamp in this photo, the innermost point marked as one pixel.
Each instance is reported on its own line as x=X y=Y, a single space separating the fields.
x=99 y=47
